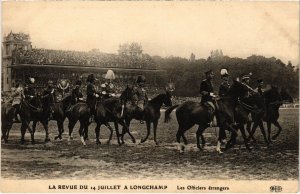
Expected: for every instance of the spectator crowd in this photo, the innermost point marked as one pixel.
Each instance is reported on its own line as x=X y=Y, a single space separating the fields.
x=79 y=58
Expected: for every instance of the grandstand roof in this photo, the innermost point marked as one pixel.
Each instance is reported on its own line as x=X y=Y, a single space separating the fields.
x=76 y=67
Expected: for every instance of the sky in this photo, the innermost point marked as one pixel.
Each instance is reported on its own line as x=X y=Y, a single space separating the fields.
x=176 y=28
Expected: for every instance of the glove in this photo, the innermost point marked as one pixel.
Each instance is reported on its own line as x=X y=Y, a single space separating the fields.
x=97 y=95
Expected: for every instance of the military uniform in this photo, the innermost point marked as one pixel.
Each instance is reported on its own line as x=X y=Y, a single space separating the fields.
x=223 y=89
x=91 y=93
x=206 y=88
x=140 y=97
x=50 y=100
x=29 y=91
x=108 y=90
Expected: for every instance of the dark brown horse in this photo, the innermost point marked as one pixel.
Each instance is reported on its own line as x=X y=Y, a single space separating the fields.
x=190 y=113
x=7 y=117
x=32 y=110
x=109 y=110
x=150 y=114
x=79 y=112
x=273 y=99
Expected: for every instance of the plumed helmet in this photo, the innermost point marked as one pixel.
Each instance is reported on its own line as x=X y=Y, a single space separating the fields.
x=247 y=76
x=224 y=72
x=31 y=80
x=110 y=75
x=140 y=79
x=91 y=78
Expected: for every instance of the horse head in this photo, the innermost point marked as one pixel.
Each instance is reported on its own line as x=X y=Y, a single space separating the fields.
x=168 y=99
x=237 y=90
x=286 y=96
x=127 y=94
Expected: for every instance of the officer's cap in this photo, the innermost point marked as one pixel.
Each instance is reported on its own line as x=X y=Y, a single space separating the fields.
x=208 y=72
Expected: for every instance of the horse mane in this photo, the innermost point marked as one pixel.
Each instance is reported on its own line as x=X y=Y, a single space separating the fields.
x=157 y=98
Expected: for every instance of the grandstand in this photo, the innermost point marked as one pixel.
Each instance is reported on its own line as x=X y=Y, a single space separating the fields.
x=20 y=61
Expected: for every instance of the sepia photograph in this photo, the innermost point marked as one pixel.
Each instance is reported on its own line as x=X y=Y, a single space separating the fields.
x=150 y=96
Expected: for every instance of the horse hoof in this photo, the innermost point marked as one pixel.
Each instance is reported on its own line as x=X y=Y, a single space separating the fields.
x=98 y=142
x=133 y=141
x=56 y=137
x=47 y=140
x=156 y=143
x=108 y=142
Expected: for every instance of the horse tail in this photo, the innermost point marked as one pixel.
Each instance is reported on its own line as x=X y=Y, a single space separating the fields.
x=168 y=112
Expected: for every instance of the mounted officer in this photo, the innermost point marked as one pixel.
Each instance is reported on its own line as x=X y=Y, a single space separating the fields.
x=29 y=89
x=259 y=89
x=91 y=93
x=108 y=88
x=50 y=94
x=140 y=97
x=207 y=95
x=224 y=87
x=76 y=95
x=17 y=95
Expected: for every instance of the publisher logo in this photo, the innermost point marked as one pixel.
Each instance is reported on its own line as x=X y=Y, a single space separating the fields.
x=276 y=189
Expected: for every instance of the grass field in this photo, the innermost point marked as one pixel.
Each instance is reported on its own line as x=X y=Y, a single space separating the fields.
x=58 y=159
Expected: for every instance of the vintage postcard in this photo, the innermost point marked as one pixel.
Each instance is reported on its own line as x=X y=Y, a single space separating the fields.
x=150 y=96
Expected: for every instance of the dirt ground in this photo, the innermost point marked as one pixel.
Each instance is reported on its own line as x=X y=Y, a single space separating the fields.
x=58 y=159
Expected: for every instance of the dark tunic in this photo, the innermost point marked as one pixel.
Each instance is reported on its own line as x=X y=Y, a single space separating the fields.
x=29 y=91
x=206 y=86
x=91 y=95
x=223 y=89
x=49 y=101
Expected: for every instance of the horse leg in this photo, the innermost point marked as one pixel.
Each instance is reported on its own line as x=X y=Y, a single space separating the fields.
x=148 y=131
x=244 y=137
x=231 y=142
x=30 y=131
x=248 y=127
x=86 y=130
x=60 y=126
x=198 y=134
x=154 y=131
x=179 y=134
x=97 y=132
x=262 y=129
x=81 y=133
x=279 y=130
x=23 y=130
x=117 y=133
x=111 y=132
x=222 y=136
x=269 y=131
x=5 y=132
x=71 y=127
x=45 y=125
x=128 y=124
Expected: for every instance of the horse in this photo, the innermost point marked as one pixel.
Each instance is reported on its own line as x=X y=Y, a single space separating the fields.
x=109 y=110
x=254 y=105
x=273 y=100
x=150 y=114
x=32 y=110
x=79 y=112
x=190 y=113
x=7 y=117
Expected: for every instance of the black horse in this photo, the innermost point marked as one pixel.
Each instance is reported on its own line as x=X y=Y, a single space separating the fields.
x=7 y=117
x=273 y=99
x=150 y=114
x=190 y=113
x=79 y=112
x=109 y=110
x=32 y=110
x=254 y=105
